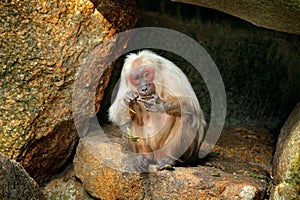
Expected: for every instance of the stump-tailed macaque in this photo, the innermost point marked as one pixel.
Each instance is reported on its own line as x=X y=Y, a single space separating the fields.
x=157 y=107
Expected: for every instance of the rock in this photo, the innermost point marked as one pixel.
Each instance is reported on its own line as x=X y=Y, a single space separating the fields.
x=278 y=15
x=251 y=150
x=43 y=44
x=16 y=183
x=65 y=186
x=105 y=173
x=95 y=72
x=122 y=15
x=286 y=164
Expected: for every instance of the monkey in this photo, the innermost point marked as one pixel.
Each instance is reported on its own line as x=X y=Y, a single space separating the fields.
x=157 y=105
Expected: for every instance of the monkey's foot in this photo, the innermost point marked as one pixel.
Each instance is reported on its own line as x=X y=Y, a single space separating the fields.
x=141 y=163
x=165 y=163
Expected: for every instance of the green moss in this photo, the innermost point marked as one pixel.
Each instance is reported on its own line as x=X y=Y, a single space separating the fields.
x=295 y=172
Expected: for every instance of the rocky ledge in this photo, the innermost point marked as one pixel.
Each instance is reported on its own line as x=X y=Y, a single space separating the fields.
x=238 y=170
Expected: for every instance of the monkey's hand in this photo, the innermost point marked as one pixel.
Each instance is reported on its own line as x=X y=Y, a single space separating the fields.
x=141 y=163
x=130 y=97
x=154 y=104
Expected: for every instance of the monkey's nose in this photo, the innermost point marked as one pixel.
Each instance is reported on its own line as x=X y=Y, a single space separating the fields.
x=144 y=88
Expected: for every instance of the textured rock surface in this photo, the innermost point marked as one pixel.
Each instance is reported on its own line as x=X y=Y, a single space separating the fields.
x=251 y=150
x=43 y=43
x=278 y=15
x=101 y=167
x=121 y=15
x=286 y=165
x=16 y=183
x=65 y=186
x=95 y=72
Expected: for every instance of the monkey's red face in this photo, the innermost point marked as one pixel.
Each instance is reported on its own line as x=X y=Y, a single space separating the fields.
x=142 y=79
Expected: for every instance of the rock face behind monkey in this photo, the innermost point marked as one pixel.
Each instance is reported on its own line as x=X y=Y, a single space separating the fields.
x=159 y=110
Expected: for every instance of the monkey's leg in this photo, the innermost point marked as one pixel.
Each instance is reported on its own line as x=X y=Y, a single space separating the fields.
x=181 y=145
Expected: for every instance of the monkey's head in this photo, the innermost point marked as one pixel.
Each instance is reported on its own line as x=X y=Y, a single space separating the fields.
x=142 y=73
x=142 y=79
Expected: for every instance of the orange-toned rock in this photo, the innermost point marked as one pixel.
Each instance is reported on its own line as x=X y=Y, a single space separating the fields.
x=104 y=170
x=286 y=164
x=43 y=44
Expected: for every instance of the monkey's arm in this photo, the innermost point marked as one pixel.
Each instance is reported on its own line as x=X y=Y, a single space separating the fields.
x=121 y=110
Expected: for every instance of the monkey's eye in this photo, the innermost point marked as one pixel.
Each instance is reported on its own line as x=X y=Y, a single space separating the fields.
x=146 y=74
x=134 y=79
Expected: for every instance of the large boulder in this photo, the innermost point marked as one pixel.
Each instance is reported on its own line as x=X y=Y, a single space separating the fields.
x=43 y=44
x=104 y=170
x=277 y=14
x=286 y=164
x=16 y=183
